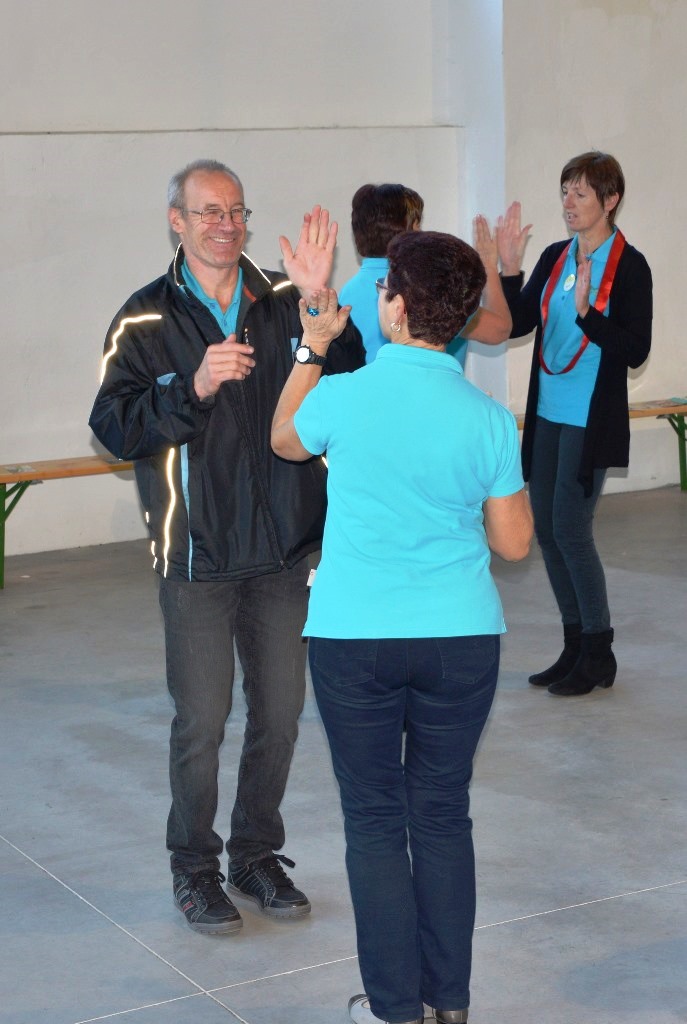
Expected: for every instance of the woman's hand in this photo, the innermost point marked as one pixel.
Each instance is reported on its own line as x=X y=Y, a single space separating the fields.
x=583 y=284
x=484 y=242
x=320 y=328
x=511 y=240
x=492 y=322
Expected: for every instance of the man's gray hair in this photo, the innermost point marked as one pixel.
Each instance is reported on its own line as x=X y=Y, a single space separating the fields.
x=177 y=183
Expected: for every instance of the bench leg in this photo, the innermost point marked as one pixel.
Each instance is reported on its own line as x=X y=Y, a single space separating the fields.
x=677 y=422
x=9 y=496
x=3 y=517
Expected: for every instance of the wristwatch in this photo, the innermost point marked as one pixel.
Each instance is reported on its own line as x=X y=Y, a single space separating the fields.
x=304 y=354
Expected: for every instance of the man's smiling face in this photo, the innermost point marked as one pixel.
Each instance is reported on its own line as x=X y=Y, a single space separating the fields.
x=213 y=246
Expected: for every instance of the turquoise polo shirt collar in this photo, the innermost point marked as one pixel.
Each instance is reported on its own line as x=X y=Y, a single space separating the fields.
x=599 y=255
x=424 y=357
x=380 y=263
x=227 y=321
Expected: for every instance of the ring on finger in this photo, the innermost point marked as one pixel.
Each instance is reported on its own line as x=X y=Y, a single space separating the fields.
x=312 y=311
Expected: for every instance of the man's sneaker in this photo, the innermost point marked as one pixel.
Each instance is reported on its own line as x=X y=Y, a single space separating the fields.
x=266 y=883
x=203 y=902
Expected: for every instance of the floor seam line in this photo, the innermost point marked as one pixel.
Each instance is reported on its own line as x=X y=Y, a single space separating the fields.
x=482 y=927
x=210 y=992
x=283 y=974
x=586 y=903
x=162 y=1003
x=201 y=988
x=202 y=991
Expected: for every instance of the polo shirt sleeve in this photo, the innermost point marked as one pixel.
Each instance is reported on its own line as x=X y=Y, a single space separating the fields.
x=508 y=479
x=309 y=420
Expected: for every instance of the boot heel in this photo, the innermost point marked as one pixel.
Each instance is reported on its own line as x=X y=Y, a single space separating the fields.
x=596 y=666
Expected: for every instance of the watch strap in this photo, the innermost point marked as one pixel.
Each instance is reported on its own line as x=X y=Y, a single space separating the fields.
x=313 y=357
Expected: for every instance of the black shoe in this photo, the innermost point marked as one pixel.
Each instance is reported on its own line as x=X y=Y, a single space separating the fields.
x=265 y=882
x=566 y=662
x=451 y=1016
x=596 y=666
x=204 y=903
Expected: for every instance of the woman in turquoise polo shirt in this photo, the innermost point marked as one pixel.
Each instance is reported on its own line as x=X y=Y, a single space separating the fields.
x=590 y=301
x=405 y=619
x=378 y=214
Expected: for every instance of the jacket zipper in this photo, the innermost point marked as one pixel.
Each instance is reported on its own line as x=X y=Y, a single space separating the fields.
x=256 y=463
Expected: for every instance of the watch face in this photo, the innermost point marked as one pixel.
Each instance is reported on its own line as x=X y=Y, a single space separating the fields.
x=303 y=354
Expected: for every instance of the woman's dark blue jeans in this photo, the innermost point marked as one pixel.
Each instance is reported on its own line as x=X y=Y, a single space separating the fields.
x=409 y=851
x=563 y=522
x=265 y=616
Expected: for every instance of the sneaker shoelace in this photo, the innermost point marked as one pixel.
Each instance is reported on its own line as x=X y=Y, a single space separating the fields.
x=209 y=886
x=275 y=872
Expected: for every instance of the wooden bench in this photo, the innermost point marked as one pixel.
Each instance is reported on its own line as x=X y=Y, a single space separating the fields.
x=15 y=479
x=672 y=409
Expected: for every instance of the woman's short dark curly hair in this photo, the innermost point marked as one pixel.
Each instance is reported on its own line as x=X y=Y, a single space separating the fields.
x=603 y=174
x=380 y=212
x=440 y=278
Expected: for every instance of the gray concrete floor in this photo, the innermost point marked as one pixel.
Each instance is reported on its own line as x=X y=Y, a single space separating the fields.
x=579 y=809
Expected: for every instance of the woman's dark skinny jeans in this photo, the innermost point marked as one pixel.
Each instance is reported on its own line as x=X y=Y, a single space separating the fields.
x=563 y=522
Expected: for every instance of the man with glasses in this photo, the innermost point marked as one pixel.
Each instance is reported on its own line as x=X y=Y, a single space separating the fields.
x=194 y=364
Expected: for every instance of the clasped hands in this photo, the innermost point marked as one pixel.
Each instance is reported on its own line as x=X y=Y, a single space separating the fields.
x=507 y=243
x=507 y=246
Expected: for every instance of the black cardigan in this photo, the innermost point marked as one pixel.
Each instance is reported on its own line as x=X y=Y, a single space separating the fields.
x=624 y=337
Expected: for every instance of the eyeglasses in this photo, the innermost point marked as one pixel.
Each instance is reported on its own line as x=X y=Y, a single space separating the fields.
x=238 y=215
x=379 y=284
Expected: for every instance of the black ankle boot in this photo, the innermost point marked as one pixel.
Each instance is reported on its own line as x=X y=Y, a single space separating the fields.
x=567 y=660
x=596 y=666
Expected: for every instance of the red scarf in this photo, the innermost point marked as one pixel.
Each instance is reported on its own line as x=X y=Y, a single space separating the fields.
x=600 y=303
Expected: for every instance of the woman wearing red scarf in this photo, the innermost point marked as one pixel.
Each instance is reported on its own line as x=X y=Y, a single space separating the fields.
x=590 y=300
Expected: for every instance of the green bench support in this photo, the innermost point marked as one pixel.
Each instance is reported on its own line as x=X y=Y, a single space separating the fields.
x=672 y=409
x=15 y=479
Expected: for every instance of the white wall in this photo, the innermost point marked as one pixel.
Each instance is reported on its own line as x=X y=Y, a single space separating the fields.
x=468 y=90
x=103 y=101
x=165 y=65
x=610 y=75
x=87 y=222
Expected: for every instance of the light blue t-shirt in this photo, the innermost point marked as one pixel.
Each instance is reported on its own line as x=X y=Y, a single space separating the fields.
x=360 y=293
x=565 y=397
x=413 y=451
x=227 y=321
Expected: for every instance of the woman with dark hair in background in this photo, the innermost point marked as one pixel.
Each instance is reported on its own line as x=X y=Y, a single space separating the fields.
x=378 y=214
x=590 y=300
x=405 y=619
